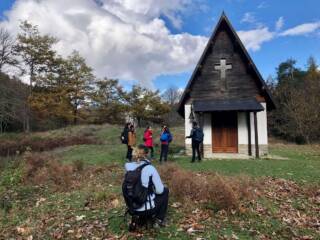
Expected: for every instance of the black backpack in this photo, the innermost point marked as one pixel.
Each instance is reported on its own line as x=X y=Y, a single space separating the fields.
x=135 y=195
x=198 y=135
x=124 y=136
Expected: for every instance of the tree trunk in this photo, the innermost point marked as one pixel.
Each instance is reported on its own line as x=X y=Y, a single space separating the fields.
x=1 y=127
x=28 y=110
x=75 y=115
x=139 y=121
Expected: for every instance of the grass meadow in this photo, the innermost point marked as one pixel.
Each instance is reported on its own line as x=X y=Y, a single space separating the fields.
x=66 y=184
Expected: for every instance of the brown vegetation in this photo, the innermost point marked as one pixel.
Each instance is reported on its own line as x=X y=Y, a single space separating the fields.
x=42 y=169
x=13 y=147
x=220 y=191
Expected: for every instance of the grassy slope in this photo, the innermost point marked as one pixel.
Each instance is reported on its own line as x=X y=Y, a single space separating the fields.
x=300 y=163
x=59 y=209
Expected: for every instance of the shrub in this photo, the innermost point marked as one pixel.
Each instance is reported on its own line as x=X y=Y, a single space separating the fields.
x=13 y=147
x=220 y=191
x=43 y=169
x=78 y=165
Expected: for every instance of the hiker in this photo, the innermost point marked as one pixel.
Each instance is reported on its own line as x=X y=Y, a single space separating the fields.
x=148 y=140
x=165 y=139
x=131 y=141
x=196 y=136
x=124 y=134
x=143 y=190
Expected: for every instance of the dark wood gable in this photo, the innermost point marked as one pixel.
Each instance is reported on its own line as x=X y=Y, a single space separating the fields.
x=242 y=79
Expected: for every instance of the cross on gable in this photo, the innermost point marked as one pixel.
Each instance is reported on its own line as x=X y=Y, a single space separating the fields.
x=223 y=67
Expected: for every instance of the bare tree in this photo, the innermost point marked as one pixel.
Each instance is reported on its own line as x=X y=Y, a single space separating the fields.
x=12 y=101
x=172 y=95
x=7 y=56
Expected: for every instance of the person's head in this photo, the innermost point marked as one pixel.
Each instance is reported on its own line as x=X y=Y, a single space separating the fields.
x=131 y=127
x=140 y=152
x=194 y=124
x=148 y=128
x=127 y=125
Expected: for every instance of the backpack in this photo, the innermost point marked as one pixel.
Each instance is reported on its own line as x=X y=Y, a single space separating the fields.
x=135 y=195
x=164 y=137
x=169 y=137
x=198 y=135
x=124 y=137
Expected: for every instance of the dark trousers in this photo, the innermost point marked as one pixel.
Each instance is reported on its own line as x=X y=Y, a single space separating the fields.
x=161 y=206
x=196 y=149
x=161 y=202
x=164 y=152
x=151 y=152
x=129 y=153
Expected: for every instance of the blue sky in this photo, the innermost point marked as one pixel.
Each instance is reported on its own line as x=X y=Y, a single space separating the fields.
x=267 y=13
x=199 y=19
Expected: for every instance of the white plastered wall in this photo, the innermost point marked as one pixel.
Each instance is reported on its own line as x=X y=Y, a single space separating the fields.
x=206 y=125
x=262 y=127
x=207 y=129
x=187 y=122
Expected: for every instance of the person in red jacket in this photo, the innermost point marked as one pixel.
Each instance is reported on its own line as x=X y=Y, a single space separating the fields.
x=148 y=140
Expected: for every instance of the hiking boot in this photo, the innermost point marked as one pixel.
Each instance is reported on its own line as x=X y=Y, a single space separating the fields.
x=159 y=223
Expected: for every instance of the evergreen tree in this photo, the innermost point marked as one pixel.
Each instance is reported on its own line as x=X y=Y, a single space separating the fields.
x=108 y=102
x=36 y=52
x=79 y=81
x=144 y=104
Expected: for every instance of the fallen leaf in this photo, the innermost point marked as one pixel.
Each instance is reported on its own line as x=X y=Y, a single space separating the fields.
x=79 y=218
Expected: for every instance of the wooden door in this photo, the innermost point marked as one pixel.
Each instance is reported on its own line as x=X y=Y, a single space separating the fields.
x=225 y=132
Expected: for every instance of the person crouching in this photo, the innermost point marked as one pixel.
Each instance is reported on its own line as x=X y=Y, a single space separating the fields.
x=143 y=190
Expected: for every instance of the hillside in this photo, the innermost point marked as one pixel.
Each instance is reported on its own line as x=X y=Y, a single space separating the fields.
x=65 y=184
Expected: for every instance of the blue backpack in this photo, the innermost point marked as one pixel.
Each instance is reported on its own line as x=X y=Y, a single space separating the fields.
x=166 y=137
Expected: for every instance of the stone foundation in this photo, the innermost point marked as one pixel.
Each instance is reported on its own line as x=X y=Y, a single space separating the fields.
x=188 y=150
x=242 y=150
x=206 y=148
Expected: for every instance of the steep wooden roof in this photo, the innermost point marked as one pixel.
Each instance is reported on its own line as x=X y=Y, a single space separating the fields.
x=223 y=21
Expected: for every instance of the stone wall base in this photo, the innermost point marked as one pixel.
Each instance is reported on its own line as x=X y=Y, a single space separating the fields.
x=242 y=150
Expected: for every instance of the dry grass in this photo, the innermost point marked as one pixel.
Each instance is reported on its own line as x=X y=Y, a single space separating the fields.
x=42 y=169
x=13 y=147
x=220 y=191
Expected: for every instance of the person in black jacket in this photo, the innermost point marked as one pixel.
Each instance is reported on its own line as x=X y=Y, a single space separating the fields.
x=196 y=136
x=124 y=139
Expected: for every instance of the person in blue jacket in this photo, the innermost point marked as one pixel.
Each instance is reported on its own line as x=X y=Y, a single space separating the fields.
x=165 y=139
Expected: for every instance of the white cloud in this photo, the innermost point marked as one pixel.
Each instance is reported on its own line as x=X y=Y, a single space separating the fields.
x=279 y=23
x=248 y=17
x=253 y=39
x=123 y=39
x=262 y=5
x=302 y=29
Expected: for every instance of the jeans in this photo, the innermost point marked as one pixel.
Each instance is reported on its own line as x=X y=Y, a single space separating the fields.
x=196 y=149
x=164 y=152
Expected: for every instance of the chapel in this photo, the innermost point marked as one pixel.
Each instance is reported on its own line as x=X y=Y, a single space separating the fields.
x=228 y=97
